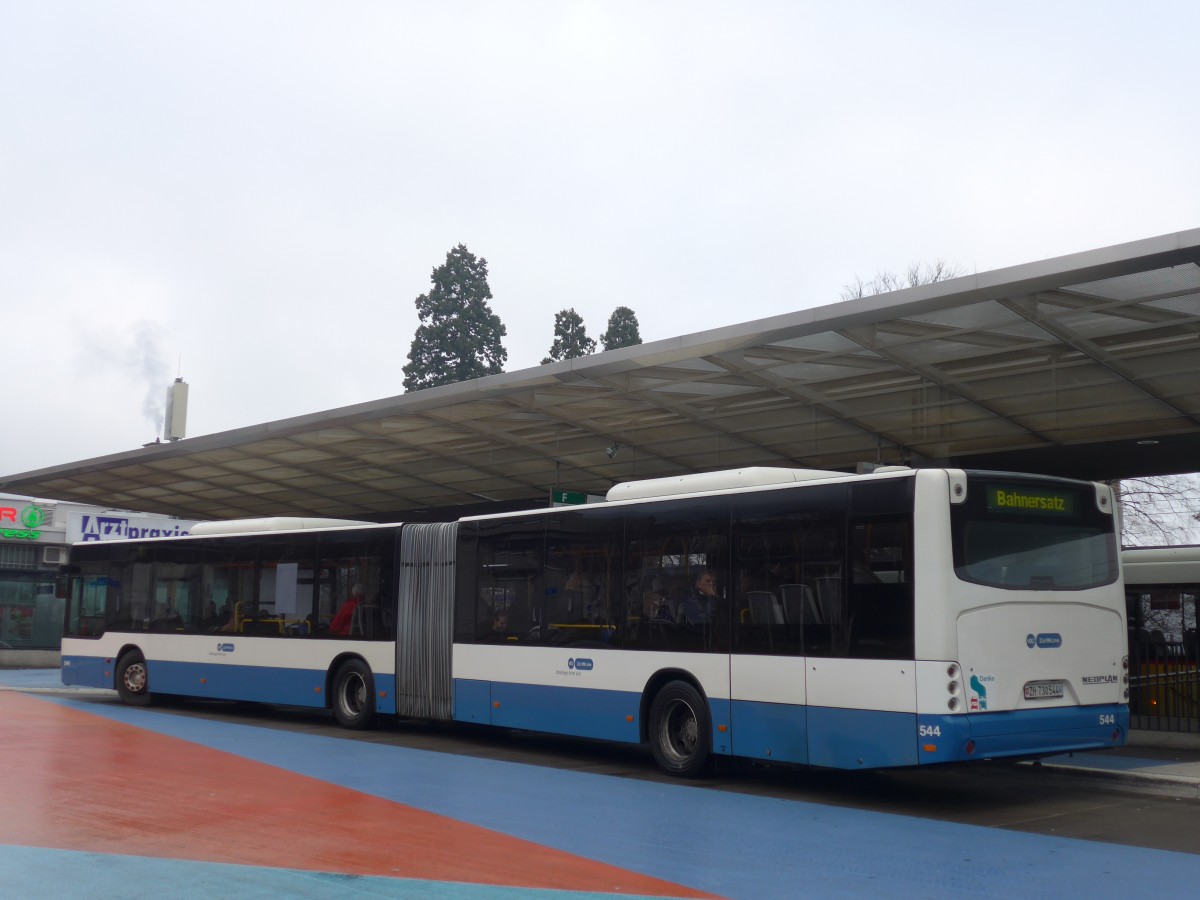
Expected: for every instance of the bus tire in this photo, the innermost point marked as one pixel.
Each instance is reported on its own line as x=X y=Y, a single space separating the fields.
x=680 y=730
x=354 y=695
x=133 y=679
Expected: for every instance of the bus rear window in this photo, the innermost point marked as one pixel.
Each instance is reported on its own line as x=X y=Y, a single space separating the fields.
x=1033 y=535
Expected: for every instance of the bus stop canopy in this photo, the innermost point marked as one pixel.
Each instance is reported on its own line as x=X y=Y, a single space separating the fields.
x=1085 y=365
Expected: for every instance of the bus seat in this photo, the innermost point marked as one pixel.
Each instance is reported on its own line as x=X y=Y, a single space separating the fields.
x=800 y=605
x=764 y=608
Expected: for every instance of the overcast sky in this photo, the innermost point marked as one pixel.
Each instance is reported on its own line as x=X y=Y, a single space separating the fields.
x=252 y=194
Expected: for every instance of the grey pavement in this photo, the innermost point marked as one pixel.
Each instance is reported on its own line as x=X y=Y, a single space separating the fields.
x=1156 y=762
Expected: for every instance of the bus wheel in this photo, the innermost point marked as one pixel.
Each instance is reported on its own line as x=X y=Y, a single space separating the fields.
x=680 y=730
x=133 y=680
x=354 y=695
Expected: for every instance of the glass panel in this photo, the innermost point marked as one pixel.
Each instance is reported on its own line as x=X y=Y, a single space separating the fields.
x=354 y=586
x=879 y=616
x=788 y=570
x=1032 y=535
x=509 y=593
x=583 y=593
x=30 y=614
x=677 y=561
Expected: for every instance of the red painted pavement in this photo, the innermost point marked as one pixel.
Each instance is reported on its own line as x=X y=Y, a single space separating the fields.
x=74 y=781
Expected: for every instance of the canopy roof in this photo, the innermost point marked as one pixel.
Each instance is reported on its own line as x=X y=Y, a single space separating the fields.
x=1086 y=365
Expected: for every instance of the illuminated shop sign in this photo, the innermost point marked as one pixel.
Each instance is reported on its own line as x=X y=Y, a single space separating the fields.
x=31 y=517
x=1024 y=500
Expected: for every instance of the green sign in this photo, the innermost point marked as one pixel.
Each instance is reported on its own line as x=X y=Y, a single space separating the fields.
x=1025 y=500
x=568 y=497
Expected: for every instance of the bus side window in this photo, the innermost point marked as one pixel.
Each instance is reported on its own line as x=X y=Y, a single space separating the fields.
x=880 y=596
x=510 y=592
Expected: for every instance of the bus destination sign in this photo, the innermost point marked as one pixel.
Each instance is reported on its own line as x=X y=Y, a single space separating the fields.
x=1023 y=500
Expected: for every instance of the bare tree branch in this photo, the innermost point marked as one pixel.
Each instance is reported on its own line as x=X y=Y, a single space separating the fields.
x=885 y=282
x=1160 y=510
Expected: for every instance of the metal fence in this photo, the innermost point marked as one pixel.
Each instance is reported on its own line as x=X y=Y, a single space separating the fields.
x=1164 y=684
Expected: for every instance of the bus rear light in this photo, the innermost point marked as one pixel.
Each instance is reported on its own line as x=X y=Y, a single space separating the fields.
x=1116 y=735
x=970 y=748
x=952 y=670
x=952 y=704
x=930 y=748
x=952 y=687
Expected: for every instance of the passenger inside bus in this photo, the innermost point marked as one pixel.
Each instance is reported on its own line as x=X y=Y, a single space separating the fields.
x=699 y=606
x=499 y=630
x=212 y=620
x=341 y=622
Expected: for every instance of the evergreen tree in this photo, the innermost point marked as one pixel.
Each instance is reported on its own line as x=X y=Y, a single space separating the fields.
x=622 y=329
x=570 y=337
x=459 y=337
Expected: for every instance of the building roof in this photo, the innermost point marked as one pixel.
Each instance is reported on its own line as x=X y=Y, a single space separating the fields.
x=1086 y=365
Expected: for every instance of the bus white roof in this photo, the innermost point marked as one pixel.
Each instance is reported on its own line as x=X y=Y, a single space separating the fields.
x=752 y=476
x=1161 y=565
x=274 y=523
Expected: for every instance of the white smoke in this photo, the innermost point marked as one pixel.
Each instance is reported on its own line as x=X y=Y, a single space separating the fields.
x=150 y=364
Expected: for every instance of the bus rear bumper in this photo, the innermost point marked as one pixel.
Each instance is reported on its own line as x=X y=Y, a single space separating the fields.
x=1021 y=733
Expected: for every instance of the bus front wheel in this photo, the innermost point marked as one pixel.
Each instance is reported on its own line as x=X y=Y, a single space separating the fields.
x=354 y=695
x=133 y=679
x=680 y=730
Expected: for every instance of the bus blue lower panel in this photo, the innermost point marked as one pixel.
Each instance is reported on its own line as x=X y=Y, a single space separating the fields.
x=1028 y=732
x=775 y=731
x=600 y=714
x=860 y=738
x=606 y=715
x=260 y=684
x=290 y=687
x=88 y=671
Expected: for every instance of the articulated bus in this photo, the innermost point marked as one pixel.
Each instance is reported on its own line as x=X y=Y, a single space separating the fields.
x=897 y=618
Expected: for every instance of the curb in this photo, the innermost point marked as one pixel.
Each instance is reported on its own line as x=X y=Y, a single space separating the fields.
x=73 y=691
x=1141 y=781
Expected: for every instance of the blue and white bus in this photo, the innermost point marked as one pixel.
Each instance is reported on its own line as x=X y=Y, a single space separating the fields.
x=898 y=618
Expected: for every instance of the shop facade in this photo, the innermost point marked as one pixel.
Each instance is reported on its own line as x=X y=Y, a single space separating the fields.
x=35 y=537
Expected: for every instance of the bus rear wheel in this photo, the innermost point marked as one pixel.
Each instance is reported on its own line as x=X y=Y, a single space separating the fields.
x=133 y=679
x=354 y=695
x=680 y=730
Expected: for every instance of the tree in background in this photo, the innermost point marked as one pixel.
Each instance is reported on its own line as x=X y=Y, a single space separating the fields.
x=570 y=337
x=622 y=329
x=1161 y=510
x=885 y=282
x=459 y=337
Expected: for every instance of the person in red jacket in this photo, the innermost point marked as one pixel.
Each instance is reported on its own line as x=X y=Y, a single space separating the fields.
x=345 y=615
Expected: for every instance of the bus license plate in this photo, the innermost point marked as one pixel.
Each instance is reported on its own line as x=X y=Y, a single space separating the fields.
x=1043 y=690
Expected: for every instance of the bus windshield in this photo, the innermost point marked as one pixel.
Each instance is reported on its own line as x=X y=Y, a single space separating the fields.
x=1033 y=535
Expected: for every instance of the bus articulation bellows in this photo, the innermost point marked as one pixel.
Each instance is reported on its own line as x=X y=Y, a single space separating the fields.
x=899 y=618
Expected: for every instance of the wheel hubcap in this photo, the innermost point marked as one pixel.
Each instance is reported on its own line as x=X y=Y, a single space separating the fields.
x=680 y=731
x=354 y=695
x=135 y=678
